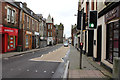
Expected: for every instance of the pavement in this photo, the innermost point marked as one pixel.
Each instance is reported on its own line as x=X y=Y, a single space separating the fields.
x=90 y=69
x=11 y=54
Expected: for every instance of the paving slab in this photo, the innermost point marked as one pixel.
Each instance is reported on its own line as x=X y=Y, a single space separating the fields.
x=88 y=70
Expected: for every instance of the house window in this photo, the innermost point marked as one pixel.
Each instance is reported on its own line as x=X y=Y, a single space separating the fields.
x=13 y=16
x=48 y=34
x=51 y=26
x=113 y=41
x=32 y=25
x=28 y=22
x=8 y=14
x=48 y=26
x=51 y=33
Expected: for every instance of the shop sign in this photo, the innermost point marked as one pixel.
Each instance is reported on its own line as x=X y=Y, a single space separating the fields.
x=115 y=13
x=7 y=30
x=36 y=33
x=10 y=31
x=27 y=32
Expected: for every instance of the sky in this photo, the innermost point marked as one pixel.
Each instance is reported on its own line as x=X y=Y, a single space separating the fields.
x=62 y=11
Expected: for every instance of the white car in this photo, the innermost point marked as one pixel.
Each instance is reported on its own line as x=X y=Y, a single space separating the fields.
x=65 y=44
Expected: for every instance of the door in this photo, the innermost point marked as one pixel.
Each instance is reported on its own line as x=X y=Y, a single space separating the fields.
x=90 y=42
x=99 y=42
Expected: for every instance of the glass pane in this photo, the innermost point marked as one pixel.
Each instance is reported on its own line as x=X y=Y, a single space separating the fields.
x=116 y=25
x=110 y=43
x=115 y=54
x=110 y=58
x=116 y=46
x=116 y=34
x=26 y=40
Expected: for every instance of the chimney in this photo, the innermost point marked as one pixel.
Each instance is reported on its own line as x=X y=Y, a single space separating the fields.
x=25 y=4
x=52 y=20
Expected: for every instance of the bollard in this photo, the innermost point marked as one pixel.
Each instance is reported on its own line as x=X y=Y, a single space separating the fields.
x=116 y=68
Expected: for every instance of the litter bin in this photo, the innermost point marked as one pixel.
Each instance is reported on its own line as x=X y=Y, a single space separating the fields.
x=19 y=48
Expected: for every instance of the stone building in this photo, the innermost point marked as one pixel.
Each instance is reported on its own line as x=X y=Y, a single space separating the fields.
x=59 y=33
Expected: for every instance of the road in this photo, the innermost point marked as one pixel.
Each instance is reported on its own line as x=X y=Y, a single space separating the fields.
x=22 y=66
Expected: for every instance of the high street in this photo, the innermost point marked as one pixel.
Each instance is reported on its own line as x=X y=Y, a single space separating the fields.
x=23 y=67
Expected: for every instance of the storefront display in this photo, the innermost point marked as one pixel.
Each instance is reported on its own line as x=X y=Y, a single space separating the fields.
x=9 y=38
x=11 y=42
x=37 y=39
x=28 y=40
x=113 y=30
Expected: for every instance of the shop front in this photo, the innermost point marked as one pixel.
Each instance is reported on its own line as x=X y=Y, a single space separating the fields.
x=9 y=38
x=28 y=40
x=112 y=19
x=37 y=39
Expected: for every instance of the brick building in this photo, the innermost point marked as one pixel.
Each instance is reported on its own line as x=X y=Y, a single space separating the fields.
x=28 y=28
x=50 y=30
x=9 y=26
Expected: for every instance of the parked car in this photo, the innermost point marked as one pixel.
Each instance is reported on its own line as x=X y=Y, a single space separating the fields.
x=66 y=44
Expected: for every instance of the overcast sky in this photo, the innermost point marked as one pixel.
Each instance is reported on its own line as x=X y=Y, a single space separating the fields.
x=61 y=10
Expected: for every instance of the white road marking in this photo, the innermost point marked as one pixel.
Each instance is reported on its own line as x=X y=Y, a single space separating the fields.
x=42 y=56
x=36 y=71
x=52 y=72
x=45 y=71
x=6 y=58
x=28 y=70
x=21 y=55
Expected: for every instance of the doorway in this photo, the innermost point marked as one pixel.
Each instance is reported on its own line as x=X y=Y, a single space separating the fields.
x=99 y=42
x=90 y=42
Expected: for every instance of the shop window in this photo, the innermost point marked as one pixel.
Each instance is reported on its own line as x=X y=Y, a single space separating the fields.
x=27 y=41
x=11 y=42
x=37 y=38
x=113 y=41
